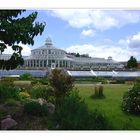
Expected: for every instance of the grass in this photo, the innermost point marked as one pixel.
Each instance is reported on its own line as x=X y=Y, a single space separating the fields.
x=111 y=105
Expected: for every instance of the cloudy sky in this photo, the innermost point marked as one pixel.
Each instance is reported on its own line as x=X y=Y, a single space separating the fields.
x=100 y=33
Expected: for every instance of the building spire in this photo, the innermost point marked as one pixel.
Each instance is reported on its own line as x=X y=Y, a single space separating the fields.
x=48 y=42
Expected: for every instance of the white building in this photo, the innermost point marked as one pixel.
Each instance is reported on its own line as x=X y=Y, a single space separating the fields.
x=47 y=56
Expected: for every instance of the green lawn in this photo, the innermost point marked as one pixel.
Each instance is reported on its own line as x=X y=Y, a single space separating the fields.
x=111 y=105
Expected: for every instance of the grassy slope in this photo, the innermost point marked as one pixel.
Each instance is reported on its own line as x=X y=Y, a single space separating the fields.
x=111 y=105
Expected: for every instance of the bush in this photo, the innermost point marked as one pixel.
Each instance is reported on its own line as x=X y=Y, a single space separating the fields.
x=100 y=79
x=8 y=80
x=61 y=83
x=98 y=92
x=24 y=95
x=11 y=102
x=42 y=81
x=73 y=114
x=34 y=108
x=137 y=80
x=120 y=81
x=26 y=76
x=40 y=91
x=131 y=100
x=8 y=91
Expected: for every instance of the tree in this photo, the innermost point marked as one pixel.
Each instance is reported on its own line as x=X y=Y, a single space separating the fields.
x=61 y=83
x=77 y=55
x=15 y=29
x=132 y=63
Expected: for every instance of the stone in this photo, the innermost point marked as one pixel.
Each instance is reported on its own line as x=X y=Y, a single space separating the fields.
x=8 y=123
x=41 y=101
x=51 y=108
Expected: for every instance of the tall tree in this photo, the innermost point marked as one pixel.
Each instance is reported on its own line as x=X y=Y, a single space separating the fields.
x=132 y=63
x=16 y=29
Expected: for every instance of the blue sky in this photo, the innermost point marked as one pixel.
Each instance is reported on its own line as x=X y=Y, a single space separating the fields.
x=100 y=33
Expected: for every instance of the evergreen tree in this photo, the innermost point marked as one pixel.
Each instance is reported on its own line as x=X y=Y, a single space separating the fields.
x=15 y=29
x=132 y=63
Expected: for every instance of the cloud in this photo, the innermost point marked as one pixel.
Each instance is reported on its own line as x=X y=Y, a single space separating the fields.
x=97 y=19
x=132 y=41
x=25 y=52
x=88 y=32
x=118 y=53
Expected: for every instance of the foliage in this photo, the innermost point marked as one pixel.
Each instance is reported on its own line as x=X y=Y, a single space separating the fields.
x=23 y=85
x=8 y=92
x=131 y=100
x=79 y=55
x=24 y=95
x=16 y=29
x=26 y=76
x=43 y=81
x=73 y=114
x=98 y=92
x=61 y=83
x=40 y=91
x=100 y=79
x=11 y=102
x=34 y=108
x=8 y=80
x=137 y=80
x=132 y=63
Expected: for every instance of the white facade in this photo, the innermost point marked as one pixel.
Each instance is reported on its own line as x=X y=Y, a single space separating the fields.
x=47 y=56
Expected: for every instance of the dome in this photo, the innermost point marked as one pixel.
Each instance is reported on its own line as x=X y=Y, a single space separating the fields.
x=48 y=41
x=48 y=50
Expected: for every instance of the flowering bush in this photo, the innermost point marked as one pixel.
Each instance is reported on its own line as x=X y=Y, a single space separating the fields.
x=131 y=100
x=24 y=94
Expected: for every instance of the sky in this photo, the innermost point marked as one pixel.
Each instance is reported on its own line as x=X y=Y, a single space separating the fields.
x=99 y=33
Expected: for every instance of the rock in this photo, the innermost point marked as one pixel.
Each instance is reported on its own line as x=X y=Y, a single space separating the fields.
x=51 y=108
x=8 y=123
x=41 y=101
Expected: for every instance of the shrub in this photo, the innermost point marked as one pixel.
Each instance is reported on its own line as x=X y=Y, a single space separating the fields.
x=11 y=102
x=137 y=80
x=61 y=83
x=44 y=81
x=24 y=95
x=73 y=114
x=23 y=85
x=26 y=76
x=34 y=108
x=98 y=92
x=120 y=81
x=131 y=100
x=8 y=91
x=40 y=91
x=100 y=79
x=8 y=80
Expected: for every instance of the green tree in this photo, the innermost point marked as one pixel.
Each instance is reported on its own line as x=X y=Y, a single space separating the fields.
x=132 y=63
x=15 y=29
x=26 y=76
x=61 y=83
x=77 y=55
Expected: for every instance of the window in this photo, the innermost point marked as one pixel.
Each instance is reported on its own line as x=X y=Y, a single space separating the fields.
x=49 y=51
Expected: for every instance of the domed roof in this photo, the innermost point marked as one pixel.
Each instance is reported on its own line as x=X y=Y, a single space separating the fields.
x=48 y=41
x=48 y=45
